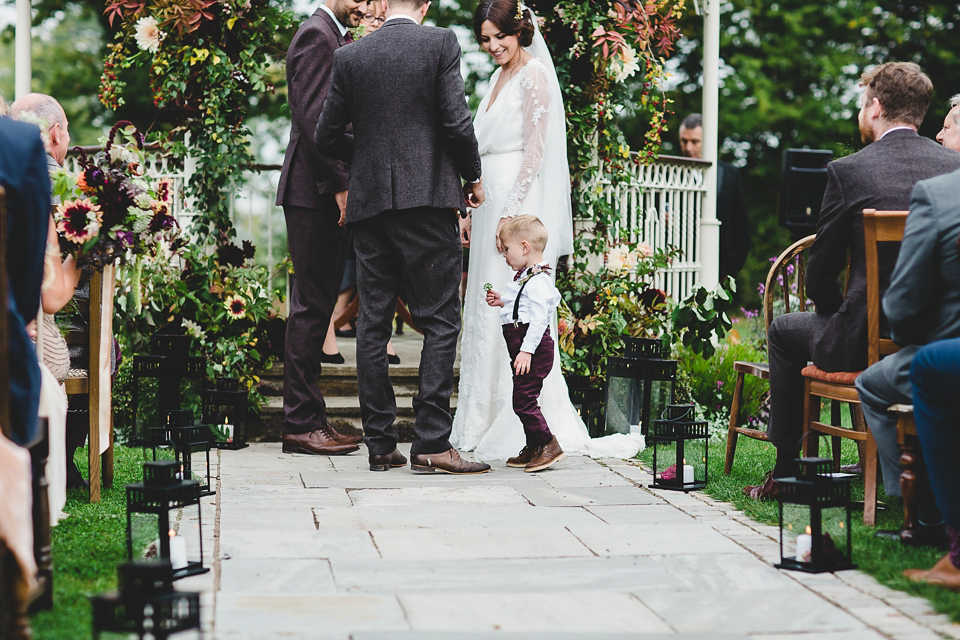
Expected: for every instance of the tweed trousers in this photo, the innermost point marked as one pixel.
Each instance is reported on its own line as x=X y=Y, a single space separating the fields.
x=414 y=254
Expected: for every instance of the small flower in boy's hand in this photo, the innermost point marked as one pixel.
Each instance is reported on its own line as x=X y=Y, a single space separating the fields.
x=487 y=286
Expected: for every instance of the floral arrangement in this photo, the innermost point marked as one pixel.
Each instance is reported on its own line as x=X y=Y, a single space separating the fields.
x=207 y=61
x=120 y=211
x=619 y=300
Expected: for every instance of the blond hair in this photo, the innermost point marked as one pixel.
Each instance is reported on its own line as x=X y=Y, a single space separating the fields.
x=525 y=227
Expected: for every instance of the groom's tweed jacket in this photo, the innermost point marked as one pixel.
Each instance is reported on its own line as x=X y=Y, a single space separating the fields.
x=412 y=131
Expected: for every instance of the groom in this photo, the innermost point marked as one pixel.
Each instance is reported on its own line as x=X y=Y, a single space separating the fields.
x=412 y=141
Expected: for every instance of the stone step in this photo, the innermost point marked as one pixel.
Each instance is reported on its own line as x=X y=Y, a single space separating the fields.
x=341 y=380
x=348 y=407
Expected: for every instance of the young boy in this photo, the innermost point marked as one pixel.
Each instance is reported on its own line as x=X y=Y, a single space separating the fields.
x=526 y=308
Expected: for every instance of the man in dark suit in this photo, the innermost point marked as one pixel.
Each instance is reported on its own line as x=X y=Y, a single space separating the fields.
x=731 y=201
x=922 y=305
x=879 y=176
x=412 y=140
x=313 y=192
x=23 y=175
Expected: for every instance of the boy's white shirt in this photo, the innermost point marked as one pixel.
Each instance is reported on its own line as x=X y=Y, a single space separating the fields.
x=538 y=302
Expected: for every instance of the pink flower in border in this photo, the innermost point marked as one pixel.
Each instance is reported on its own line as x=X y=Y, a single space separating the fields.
x=79 y=220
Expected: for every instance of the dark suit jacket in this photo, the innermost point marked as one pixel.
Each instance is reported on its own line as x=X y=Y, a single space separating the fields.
x=732 y=214
x=880 y=176
x=923 y=301
x=401 y=88
x=306 y=172
x=23 y=174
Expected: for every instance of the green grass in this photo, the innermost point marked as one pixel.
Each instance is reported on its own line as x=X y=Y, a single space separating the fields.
x=87 y=547
x=883 y=559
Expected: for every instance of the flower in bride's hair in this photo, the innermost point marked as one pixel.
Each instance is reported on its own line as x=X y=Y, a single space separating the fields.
x=78 y=220
x=236 y=307
x=148 y=34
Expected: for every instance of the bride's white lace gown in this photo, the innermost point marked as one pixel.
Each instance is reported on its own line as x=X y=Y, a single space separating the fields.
x=513 y=137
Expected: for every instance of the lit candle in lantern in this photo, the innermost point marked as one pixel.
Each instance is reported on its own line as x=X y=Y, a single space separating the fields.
x=805 y=547
x=687 y=472
x=178 y=550
x=228 y=428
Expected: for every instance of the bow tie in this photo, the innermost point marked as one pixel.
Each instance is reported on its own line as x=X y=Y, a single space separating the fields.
x=348 y=37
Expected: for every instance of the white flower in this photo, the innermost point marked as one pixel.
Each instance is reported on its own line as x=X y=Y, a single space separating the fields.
x=624 y=64
x=644 y=250
x=621 y=259
x=148 y=34
x=193 y=329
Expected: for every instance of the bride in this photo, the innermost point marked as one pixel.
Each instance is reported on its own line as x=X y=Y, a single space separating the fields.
x=522 y=134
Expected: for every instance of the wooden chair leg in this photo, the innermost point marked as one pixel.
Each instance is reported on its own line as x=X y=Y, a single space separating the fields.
x=811 y=411
x=909 y=461
x=734 y=423
x=348 y=314
x=869 y=476
x=836 y=420
x=861 y=444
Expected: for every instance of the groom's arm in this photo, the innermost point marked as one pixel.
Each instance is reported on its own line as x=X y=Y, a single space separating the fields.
x=455 y=119
x=331 y=135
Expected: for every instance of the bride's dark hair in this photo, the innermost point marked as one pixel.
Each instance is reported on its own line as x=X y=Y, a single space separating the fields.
x=503 y=13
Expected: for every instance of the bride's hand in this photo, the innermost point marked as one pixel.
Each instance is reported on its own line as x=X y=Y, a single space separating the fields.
x=465 y=231
x=500 y=224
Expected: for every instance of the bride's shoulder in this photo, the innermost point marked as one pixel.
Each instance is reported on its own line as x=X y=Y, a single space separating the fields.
x=533 y=72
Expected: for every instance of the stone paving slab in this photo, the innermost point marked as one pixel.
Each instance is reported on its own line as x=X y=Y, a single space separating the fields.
x=318 y=548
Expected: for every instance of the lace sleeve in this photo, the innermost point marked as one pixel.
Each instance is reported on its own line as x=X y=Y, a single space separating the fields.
x=536 y=107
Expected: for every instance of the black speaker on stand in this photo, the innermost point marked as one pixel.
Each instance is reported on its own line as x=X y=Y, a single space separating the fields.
x=802 y=182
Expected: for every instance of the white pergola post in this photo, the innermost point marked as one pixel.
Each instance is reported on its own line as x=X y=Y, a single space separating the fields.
x=22 y=59
x=709 y=225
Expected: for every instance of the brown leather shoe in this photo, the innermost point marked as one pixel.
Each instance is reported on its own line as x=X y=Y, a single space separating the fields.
x=344 y=438
x=521 y=459
x=317 y=442
x=545 y=456
x=447 y=462
x=943 y=574
x=384 y=462
x=767 y=490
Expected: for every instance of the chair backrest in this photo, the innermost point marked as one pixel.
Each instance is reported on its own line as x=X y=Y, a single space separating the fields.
x=779 y=282
x=4 y=330
x=878 y=226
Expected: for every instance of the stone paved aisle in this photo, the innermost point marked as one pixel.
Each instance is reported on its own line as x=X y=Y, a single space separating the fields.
x=321 y=548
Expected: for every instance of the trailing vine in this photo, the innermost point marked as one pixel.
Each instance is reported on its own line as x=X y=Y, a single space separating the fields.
x=206 y=60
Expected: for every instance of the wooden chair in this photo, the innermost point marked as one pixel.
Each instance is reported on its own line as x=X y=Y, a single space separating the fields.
x=911 y=463
x=878 y=226
x=777 y=285
x=94 y=380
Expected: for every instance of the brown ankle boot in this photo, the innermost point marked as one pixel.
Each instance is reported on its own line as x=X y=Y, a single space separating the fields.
x=521 y=459
x=545 y=456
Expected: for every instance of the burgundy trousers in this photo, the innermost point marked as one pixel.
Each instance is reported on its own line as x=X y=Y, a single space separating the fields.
x=526 y=387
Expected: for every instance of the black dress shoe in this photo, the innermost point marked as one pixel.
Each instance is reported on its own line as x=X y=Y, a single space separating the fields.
x=345 y=333
x=393 y=358
x=384 y=462
x=335 y=358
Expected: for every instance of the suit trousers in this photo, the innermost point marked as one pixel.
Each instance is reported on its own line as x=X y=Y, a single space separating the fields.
x=879 y=386
x=414 y=254
x=527 y=387
x=790 y=344
x=318 y=247
x=935 y=375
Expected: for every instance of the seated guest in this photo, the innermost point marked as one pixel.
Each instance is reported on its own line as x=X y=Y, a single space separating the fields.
x=935 y=377
x=23 y=175
x=949 y=135
x=922 y=305
x=881 y=176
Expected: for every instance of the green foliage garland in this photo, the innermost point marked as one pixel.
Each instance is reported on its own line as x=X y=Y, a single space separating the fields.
x=206 y=60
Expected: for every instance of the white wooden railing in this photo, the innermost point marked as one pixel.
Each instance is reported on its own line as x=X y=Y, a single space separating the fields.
x=663 y=208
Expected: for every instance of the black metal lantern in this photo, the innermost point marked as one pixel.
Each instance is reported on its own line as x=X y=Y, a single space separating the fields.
x=587 y=398
x=170 y=366
x=639 y=386
x=191 y=447
x=146 y=605
x=681 y=442
x=226 y=409
x=163 y=519
x=815 y=515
